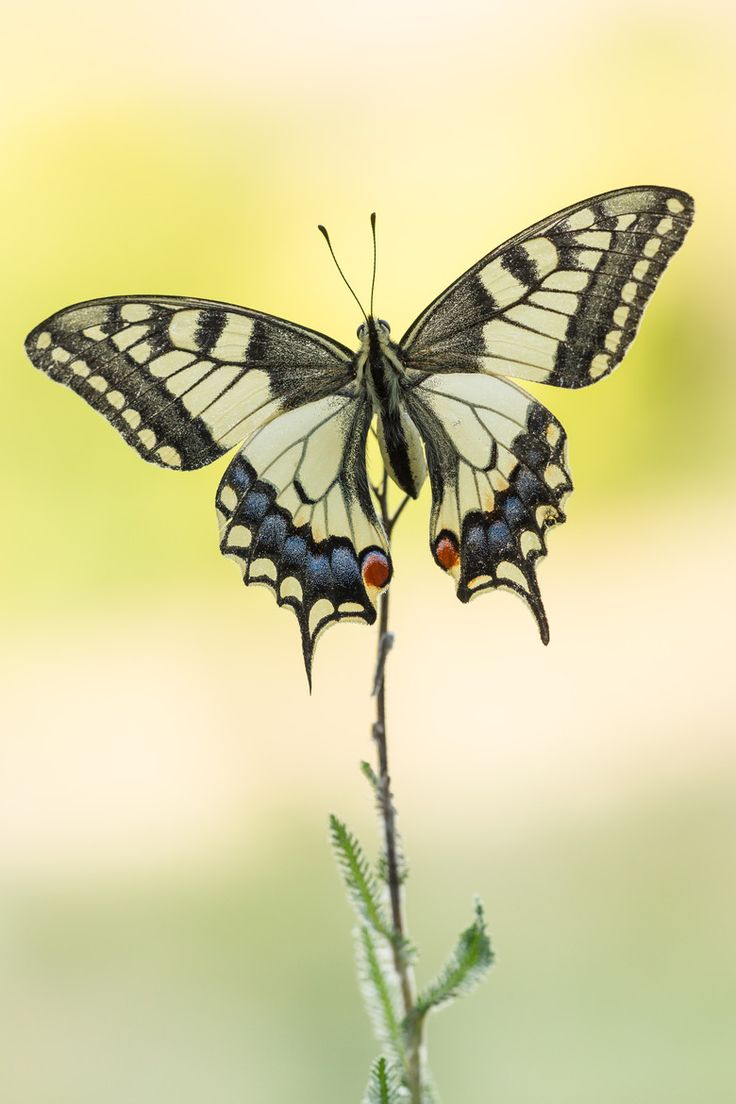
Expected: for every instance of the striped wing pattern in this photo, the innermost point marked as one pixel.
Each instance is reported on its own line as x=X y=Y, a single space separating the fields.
x=185 y=380
x=296 y=515
x=497 y=467
x=559 y=303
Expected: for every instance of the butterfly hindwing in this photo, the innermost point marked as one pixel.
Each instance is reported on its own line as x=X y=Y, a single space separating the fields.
x=184 y=380
x=496 y=460
x=559 y=303
x=296 y=514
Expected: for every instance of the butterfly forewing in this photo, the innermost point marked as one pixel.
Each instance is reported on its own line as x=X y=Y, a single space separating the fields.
x=185 y=380
x=559 y=303
x=296 y=514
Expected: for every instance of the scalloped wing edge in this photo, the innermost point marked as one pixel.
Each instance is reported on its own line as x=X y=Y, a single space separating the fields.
x=324 y=582
x=500 y=549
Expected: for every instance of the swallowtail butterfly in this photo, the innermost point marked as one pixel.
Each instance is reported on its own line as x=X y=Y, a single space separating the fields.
x=186 y=380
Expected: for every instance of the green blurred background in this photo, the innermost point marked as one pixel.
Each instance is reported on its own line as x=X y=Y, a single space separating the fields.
x=172 y=925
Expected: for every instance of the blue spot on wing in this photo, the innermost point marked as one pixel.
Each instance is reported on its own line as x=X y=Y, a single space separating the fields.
x=318 y=574
x=345 y=567
x=514 y=510
x=254 y=506
x=271 y=535
x=500 y=538
x=294 y=554
x=239 y=476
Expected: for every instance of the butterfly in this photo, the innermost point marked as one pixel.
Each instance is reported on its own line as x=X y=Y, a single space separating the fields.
x=186 y=380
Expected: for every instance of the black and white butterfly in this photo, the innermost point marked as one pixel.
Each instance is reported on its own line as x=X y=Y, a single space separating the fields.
x=185 y=380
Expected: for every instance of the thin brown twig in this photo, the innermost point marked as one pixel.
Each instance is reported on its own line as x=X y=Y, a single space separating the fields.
x=388 y=815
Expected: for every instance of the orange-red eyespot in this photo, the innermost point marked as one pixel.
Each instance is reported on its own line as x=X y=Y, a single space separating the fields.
x=446 y=551
x=376 y=570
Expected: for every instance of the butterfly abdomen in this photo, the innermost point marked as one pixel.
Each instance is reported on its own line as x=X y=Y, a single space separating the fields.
x=402 y=451
x=401 y=445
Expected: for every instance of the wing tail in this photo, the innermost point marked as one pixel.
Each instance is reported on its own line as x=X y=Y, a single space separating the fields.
x=296 y=515
x=499 y=479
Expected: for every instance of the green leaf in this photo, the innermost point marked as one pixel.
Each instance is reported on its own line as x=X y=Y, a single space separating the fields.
x=359 y=880
x=384 y=1085
x=468 y=965
x=369 y=773
x=379 y=986
x=382 y=865
x=402 y=869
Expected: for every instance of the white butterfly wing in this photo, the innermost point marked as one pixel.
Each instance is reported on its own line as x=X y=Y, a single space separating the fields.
x=296 y=514
x=496 y=460
x=185 y=380
x=561 y=302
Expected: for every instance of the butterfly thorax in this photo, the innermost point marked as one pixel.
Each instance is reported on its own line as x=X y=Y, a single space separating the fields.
x=380 y=369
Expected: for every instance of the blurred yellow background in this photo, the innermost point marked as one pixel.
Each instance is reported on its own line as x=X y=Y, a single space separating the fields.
x=172 y=925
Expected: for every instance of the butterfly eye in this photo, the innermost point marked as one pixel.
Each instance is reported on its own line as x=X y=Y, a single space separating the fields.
x=361 y=331
x=382 y=322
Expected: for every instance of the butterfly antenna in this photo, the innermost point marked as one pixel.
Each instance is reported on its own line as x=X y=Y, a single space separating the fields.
x=326 y=236
x=373 y=278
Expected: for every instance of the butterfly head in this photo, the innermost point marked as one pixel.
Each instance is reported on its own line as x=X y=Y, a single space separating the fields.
x=380 y=325
x=374 y=335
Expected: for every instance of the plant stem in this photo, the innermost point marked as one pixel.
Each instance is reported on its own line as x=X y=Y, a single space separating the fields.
x=388 y=816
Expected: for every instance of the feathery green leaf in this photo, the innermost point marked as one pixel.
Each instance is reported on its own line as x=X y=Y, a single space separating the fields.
x=369 y=773
x=382 y=865
x=359 y=880
x=378 y=792
x=468 y=964
x=379 y=986
x=384 y=1086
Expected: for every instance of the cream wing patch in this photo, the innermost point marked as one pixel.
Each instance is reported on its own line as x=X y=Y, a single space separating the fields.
x=499 y=479
x=185 y=380
x=547 y=305
x=296 y=514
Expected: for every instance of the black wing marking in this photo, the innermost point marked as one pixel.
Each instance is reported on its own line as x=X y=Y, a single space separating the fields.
x=559 y=303
x=497 y=467
x=296 y=514
x=185 y=380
